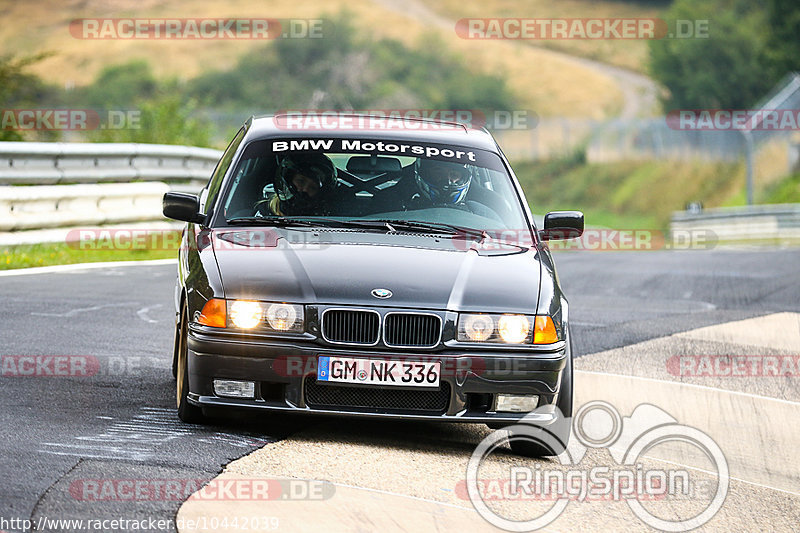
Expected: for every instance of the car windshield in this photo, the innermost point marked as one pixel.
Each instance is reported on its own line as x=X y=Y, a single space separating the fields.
x=371 y=184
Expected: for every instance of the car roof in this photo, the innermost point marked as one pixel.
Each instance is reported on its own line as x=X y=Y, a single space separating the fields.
x=366 y=126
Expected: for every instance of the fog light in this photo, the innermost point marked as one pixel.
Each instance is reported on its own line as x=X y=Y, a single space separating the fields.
x=229 y=388
x=516 y=404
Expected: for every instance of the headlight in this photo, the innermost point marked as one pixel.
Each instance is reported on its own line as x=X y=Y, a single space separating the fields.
x=282 y=317
x=513 y=329
x=477 y=327
x=506 y=329
x=246 y=314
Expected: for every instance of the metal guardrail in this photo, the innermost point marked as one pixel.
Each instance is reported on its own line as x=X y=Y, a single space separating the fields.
x=756 y=223
x=35 y=163
x=55 y=206
x=61 y=185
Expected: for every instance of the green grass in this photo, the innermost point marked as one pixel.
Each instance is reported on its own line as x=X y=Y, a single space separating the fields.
x=786 y=191
x=627 y=194
x=35 y=255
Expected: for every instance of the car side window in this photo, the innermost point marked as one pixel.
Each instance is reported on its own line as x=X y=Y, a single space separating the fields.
x=215 y=182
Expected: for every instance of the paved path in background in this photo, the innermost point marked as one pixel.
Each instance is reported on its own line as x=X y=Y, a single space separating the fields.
x=640 y=92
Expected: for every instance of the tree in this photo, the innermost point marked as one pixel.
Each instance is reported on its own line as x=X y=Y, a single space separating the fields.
x=18 y=88
x=121 y=85
x=166 y=118
x=784 y=37
x=349 y=70
x=729 y=69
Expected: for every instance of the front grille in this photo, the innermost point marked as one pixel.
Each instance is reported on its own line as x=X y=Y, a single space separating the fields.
x=351 y=327
x=406 y=329
x=338 y=397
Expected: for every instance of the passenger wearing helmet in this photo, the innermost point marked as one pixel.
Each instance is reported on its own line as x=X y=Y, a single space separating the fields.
x=306 y=184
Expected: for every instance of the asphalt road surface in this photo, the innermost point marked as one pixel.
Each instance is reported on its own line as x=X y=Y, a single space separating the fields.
x=110 y=415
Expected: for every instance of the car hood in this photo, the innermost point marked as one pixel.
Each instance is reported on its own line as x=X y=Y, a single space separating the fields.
x=421 y=271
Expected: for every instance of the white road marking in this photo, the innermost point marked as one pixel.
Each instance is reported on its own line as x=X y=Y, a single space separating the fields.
x=74 y=312
x=138 y=438
x=588 y=324
x=84 y=266
x=142 y=313
x=711 y=473
x=766 y=457
x=691 y=385
x=777 y=331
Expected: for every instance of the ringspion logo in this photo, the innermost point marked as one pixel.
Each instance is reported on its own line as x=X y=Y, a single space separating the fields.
x=628 y=478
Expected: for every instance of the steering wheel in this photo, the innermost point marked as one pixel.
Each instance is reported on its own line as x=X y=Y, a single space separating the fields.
x=257 y=206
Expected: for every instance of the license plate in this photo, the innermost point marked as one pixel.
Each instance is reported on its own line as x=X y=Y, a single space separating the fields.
x=378 y=372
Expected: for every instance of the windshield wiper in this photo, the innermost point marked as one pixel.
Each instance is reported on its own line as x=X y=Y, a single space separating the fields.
x=275 y=221
x=310 y=222
x=390 y=225
x=433 y=227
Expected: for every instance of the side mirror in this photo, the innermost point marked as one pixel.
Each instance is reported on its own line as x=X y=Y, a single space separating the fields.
x=182 y=206
x=562 y=225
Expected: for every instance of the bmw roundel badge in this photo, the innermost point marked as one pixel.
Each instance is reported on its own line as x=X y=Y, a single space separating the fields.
x=382 y=293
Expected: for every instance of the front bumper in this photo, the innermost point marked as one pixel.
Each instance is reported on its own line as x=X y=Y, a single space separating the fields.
x=283 y=368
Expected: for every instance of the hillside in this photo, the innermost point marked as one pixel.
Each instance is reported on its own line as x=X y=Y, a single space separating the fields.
x=549 y=83
x=627 y=53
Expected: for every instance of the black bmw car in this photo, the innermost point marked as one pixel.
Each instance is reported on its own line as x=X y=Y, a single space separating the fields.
x=378 y=268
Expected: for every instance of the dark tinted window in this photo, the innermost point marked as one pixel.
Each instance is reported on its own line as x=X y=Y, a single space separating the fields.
x=215 y=182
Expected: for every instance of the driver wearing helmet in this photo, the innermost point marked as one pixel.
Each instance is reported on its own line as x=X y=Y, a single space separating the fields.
x=306 y=184
x=442 y=183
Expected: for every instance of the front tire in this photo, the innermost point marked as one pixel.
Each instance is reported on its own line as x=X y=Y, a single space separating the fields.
x=186 y=412
x=558 y=432
x=176 y=345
